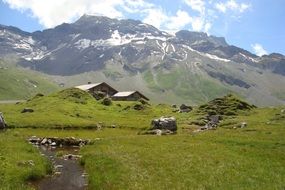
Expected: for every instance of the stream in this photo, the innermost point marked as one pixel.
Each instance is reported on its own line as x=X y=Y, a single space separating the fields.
x=67 y=174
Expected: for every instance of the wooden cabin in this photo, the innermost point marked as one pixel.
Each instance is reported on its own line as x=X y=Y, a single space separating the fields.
x=128 y=96
x=95 y=88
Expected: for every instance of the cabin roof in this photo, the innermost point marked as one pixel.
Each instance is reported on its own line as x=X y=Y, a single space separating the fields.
x=128 y=93
x=89 y=86
x=124 y=94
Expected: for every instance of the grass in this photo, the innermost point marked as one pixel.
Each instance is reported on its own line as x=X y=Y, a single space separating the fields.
x=250 y=158
x=20 y=163
x=75 y=108
x=226 y=158
x=18 y=83
x=192 y=88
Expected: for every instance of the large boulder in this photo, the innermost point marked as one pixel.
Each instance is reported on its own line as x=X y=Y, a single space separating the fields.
x=2 y=121
x=164 y=123
x=185 y=109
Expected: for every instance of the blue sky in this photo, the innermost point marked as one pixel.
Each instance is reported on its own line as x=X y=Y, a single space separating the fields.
x=255 y=25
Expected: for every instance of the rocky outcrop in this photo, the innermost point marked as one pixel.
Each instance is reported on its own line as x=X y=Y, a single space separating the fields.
x=55 y=141
x=228 y=105
x=162 y=126
x=164 y=123
x=212 y=123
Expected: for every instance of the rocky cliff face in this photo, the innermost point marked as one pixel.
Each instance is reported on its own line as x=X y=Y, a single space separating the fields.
x=187 y=65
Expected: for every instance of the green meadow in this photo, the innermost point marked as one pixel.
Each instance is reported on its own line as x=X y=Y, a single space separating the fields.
x=121 y=158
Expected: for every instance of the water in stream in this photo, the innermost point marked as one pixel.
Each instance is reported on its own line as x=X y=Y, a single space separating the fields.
x=68 y=174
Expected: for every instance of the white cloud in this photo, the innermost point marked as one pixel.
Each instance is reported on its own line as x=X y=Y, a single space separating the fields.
x=221 y=7
x=207 y=27
x=197 y=5
x=258 y=49
x=178 y=21
x=155 y=17
x=201 y=22
x=53 y=12
x=198 y=23
x=232 y=5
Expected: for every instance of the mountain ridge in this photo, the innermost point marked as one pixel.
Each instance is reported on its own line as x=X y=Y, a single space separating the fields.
x=189 y=66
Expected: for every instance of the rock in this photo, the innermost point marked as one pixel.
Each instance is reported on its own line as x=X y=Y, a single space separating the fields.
x=158 y=132
x=185 y=109
x=213 y=121
x=58 y=167
x=57 y=173
x=27 y=110
x=44 y=141
x=164 y=123
x=2 y=121
x=175 y=110
x=113 y=126
x=204 y=128
x=243 y=125
x=174 y=106
x=71 y=157
x=98 y=126
x=138 y=107
x=34 y=140
x=283 y=111
x=55 y=141
x=49 y=141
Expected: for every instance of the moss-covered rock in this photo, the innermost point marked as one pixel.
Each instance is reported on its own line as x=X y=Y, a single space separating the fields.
x=227 y=105
x=107 y=101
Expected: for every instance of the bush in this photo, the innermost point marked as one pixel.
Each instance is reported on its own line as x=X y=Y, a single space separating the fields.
x=138 y=107
x=107 y=101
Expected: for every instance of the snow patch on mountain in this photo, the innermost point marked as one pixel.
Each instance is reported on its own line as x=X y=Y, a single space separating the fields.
x=248 y=58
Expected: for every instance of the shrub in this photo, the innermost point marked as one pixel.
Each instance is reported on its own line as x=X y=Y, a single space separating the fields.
x=107 y=101
x=138 y=107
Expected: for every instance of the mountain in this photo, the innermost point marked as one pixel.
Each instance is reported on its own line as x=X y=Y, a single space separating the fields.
x=17 y=83
x=189 y=67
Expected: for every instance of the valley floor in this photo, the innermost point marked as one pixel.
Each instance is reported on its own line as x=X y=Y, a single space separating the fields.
x=226 y=158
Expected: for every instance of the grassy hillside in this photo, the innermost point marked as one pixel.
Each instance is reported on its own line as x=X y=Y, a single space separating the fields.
x=225 y=158
x=76 y=108
x=18 y=83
